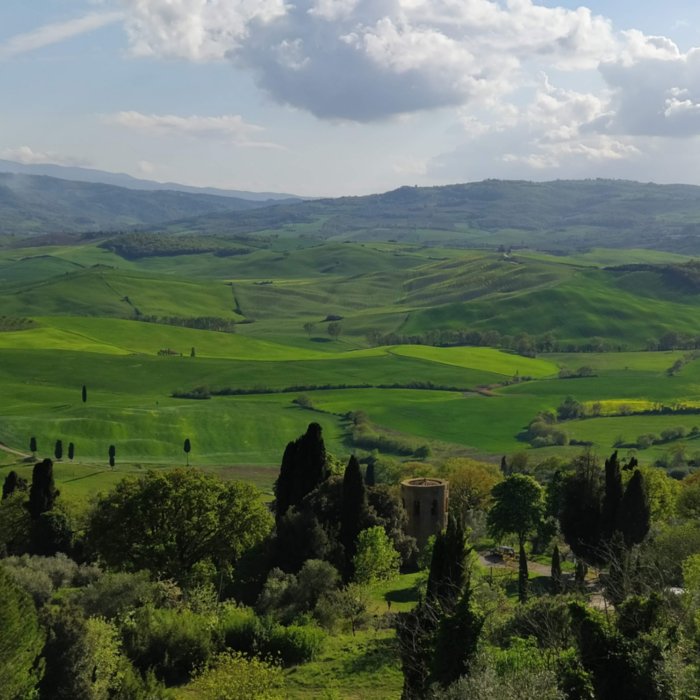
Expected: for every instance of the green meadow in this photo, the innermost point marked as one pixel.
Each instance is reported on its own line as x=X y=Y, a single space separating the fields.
x=88 y=306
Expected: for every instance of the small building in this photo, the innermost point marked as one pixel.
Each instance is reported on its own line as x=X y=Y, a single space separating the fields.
x=426 y=503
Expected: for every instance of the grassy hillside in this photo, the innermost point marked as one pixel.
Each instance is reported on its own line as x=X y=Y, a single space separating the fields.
x=83 y=302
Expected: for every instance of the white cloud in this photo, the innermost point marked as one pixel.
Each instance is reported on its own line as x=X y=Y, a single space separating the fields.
x=28 y=156
x=370 y=59
x=197 y=30
x=55 y=33
x=655 y=95
x=229 y=128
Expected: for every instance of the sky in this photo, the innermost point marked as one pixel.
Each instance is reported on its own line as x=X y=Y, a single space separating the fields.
x=336 y=97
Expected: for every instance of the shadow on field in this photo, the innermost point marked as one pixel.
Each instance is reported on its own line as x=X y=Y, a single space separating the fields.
x=377 y=654
x=402 y=595
x=320 y=340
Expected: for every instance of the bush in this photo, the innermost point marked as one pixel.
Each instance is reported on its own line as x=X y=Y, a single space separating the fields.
x=117 y=593
x=295 y=644
x=41 y=576
x=240 y=629
x=171 y=642
x=232 y=676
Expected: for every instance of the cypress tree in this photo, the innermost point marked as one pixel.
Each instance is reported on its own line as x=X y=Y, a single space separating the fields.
x=71 y=451
x=556 y=571
x=13 y=482
x=112 y=453
x=84 y=393
x=187 y=447
x=370 y=479
x=448 y=566
x=43 y=492
x=32 y=445
x=634 y=514
x=581 y=507
x=304 y=467
x=352 y=511
x=457 y=641
x=612 y=497
x=505 y=469
x=58 y=449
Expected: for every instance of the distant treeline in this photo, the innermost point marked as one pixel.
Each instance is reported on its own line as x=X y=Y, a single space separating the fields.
x=203 y=323
x=674 y=340
x=133 y=246
x=365 y=435
x=523 y=343
x=16 y=323
x=203 y=392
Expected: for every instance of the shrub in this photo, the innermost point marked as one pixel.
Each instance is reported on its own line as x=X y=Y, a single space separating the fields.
x=171 y=642
x=41 y=576
x=232 y=676
x=295 y=644
x=117 y=593
x=241 y=630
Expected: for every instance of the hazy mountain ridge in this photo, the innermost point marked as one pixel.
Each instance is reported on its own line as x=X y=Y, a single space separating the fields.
x=558 y=215
x=79 y=174
x=33 y=204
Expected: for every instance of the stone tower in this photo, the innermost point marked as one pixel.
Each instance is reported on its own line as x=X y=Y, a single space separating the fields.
x=425 y=501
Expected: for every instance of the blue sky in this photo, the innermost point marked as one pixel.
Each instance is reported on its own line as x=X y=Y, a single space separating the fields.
x=330 y=97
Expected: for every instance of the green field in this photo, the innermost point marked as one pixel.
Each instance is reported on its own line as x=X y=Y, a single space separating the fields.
x=85 y=303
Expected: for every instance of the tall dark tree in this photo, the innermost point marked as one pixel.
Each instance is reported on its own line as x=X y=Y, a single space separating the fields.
x=112 y=453
x=505 y=468
x=634 y=514
x=353 y=511
x=71 y=451
x=32 y=445
x=304 y=467
x=370 y=478
x=13 y=482
x=457 y=641
x=448 y=566
x=415 y=633
x=187 y=447
x=556 y=571
x=58 y=449
x=581 y=509
x=84 y=393
x=43 y=492
x=612 y=497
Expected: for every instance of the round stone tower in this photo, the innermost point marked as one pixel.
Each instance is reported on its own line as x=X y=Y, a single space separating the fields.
x=425 y=501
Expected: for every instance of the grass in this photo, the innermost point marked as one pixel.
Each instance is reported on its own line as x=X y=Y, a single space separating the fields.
x=361 y=667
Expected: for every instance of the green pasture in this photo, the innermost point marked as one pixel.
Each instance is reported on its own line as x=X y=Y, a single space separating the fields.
x=83 y=299
x=605 y=432
x=656 y=362
x=625 y=312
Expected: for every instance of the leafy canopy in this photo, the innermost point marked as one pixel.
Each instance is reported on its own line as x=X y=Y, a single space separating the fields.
x=167 y=522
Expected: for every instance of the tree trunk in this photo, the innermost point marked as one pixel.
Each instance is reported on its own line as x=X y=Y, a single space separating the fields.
x=522 y=572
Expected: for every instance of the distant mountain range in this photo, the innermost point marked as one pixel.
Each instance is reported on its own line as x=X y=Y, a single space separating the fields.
x=557 y=216
x=122 y=180
x=37 y=204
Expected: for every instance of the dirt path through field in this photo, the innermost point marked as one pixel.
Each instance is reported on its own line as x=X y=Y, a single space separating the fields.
x=11 y=451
